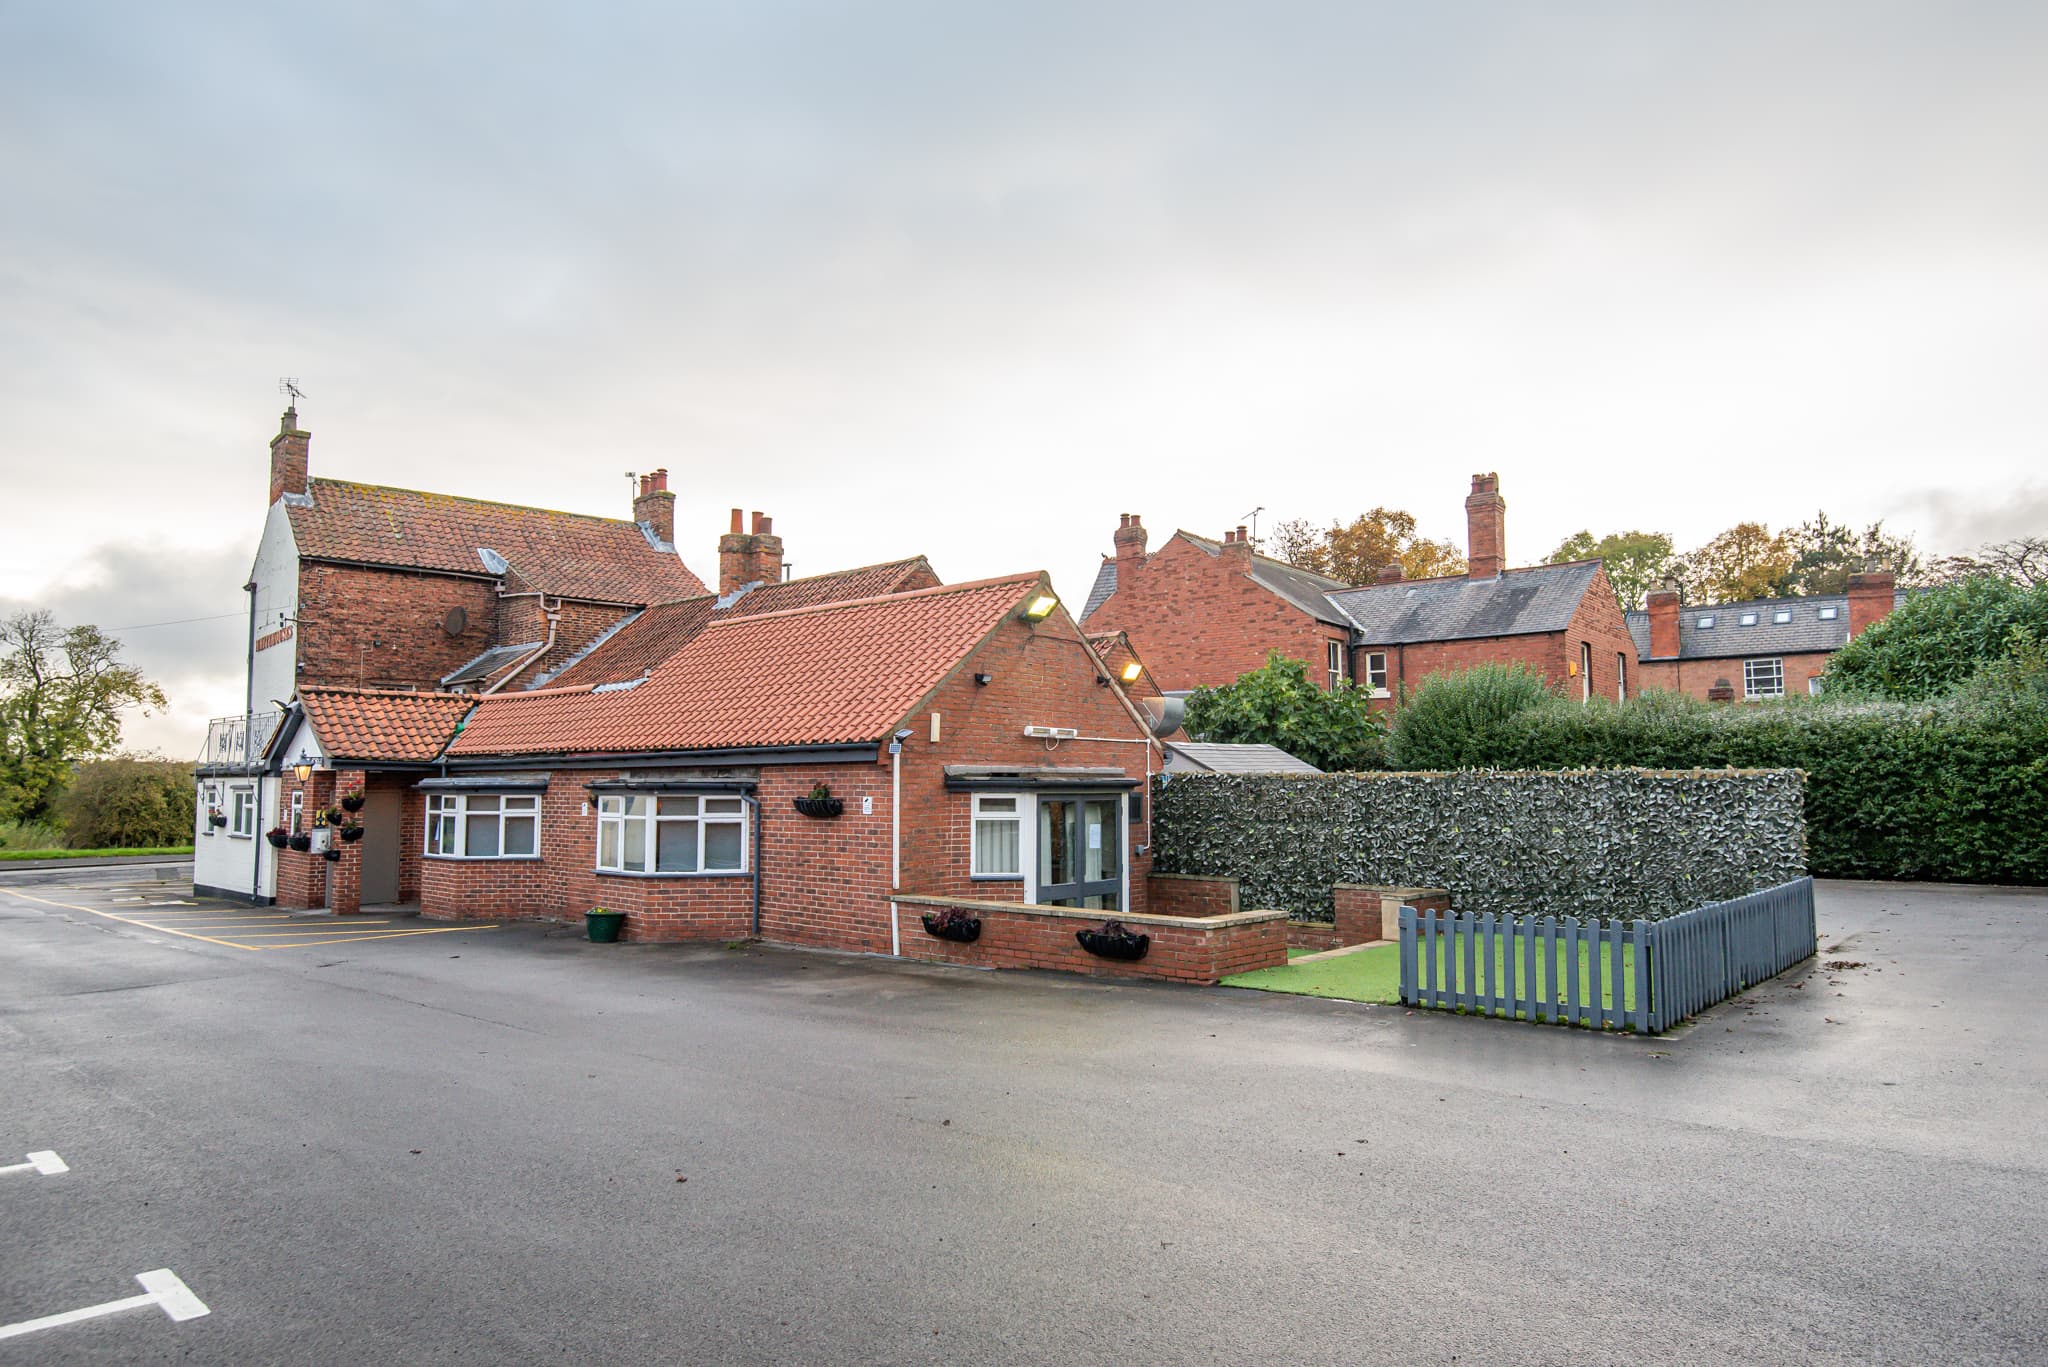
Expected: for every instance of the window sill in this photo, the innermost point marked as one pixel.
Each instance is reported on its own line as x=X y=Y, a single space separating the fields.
x=1379 y=693
x=483 y=858
x=233 y=836
x=995 y=877
x=699 y=873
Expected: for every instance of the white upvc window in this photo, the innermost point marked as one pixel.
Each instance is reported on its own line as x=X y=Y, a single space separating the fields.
x=1814 y=686
x=1763 y=678
x=1830 y=613
x=209 y=802
x=1747 y=619
x=242 y=811
x=1781 y=616
x=483 y=825
x=998 y=836
x=1621 y=676
x=1706 y=623
x=1376 y=672
x=671 y=833
x=1336 y=664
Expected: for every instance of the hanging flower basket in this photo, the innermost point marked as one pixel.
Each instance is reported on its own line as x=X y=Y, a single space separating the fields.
x=352 y=833
x=1112 y=941
x=335 y=816
x=301 y=843
x=822 y=808
x=216 y=818
x=953 y=924
x=330 y=854
x=278 y=837
x=353 y=802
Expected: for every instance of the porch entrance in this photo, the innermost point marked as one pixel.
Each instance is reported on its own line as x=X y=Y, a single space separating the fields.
x=1080 y=852
x=381 y=807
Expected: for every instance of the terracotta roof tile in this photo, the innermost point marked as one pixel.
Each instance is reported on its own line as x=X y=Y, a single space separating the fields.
x=662 y=630
x=841 y=673
x=597 y=559
x=373 y=724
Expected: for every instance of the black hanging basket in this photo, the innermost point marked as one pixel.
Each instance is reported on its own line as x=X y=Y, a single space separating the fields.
x=301 y=843
x=1112 y=941
x=353 y=802
x=955 y=925
x=822 y=808
x=217 y=819
x=278 y=839
x=351 y=833
x=330 y=853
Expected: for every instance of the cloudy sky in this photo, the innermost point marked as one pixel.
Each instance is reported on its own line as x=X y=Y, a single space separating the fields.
x=970 y=280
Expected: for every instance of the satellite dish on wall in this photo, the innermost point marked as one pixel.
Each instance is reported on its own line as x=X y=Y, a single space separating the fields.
x=456 y=621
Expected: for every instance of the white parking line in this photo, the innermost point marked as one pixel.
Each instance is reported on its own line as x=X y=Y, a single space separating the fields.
x=161 y=1288
x=41 y=1161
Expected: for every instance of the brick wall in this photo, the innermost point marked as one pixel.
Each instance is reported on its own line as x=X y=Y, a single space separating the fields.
x=1696 y=677
x=1197 y=619
x=1372 y=911
x=302 y=875
x=521 y=619
x=383 y=628
x=1191 y=894
x=1600 y=623
x=1191 y=950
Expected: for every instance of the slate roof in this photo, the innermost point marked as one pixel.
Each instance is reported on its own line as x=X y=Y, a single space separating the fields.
x=488 y=663
x=594 y=559
x=379 y=725
x=840 y=673
x=1305 y=589
x=1728 y=639
x=1213 y=758
x=637 y=646
x=1536 y=598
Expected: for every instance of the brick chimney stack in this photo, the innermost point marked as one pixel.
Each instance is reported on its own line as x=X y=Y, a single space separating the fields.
x=1237 y=546
x=1130 y=539
x=1485 y=528
x=290 y=455
x=1391 y=574
x=656 y=506
x=1870 y=599
x=749 y=556
x=1663 y=607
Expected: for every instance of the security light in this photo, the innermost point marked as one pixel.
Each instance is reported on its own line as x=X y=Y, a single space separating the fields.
x=1040 y=607
x=1132 y=670
x=904 y=734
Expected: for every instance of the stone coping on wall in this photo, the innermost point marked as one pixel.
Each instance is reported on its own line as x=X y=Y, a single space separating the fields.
x=1129 y=918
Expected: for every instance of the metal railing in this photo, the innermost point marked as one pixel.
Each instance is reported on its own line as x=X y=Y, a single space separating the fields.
x=237 y=742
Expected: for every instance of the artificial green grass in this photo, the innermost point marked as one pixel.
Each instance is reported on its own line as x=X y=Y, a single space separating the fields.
x=94 y=854
x=1297 y=953
x=1374 y=975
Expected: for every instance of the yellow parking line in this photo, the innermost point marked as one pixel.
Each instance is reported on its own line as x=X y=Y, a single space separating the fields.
x=129 y=920
x=272 y=923
x=381 y=935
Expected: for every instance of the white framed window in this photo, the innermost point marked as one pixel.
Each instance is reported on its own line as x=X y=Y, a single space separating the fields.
x=1621 y=676
x=1830 y=613
x=483 y=825
x=1763 y=678
x=998 y=841
x=1376 y=672
x=1585 y=671
x=1705 y=623
x=1782 y=616
x=1335 y=655
x=298 y=812
x=1814 y=686
x=1747 y=619
x=242 y=812
x=209 y=802
x=671 y=833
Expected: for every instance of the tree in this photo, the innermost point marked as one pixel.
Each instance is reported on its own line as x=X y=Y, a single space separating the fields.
x=2022 y=561
x=1635 y=561
x=1825 y=554
x=1357 y=552
x=62 y=696
x=1746 y=561
x=128 y=802
x=1936 y=642
x=1278 y=705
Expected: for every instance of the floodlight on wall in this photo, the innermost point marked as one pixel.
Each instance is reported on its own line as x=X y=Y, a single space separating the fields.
x=1132 y=670
x=1040 y=607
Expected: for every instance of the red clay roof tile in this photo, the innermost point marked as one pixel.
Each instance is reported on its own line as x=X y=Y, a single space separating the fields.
x=596 y=559
x=375 y=724
x=840 y=673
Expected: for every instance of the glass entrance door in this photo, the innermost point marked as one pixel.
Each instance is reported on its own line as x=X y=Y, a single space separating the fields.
x=1080 y=852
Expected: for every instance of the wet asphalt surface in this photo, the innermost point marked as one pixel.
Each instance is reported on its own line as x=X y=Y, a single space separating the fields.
x=466 y=1148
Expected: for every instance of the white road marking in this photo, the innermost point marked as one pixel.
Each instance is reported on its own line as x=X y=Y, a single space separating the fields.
x=161 y=1288
x=41 y=1161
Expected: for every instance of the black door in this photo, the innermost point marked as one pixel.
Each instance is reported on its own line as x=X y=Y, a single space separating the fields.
x=1080 y=852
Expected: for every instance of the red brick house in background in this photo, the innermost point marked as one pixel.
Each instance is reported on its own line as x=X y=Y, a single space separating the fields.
x=1756 y=650
x=1203 y=613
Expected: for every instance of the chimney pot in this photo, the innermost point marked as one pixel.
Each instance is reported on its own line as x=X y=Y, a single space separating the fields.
x=290 y=457
x=739 y=521
x=656 y=506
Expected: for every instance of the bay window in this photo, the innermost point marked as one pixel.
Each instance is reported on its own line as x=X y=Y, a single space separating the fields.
x=483 y=826
x=652 y=833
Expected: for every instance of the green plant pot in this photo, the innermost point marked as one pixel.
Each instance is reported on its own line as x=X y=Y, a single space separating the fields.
x=603 y=926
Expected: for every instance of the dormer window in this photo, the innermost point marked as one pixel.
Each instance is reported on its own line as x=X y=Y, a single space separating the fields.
x=1705 y=623
x=1782 y=616
x=1747 y=619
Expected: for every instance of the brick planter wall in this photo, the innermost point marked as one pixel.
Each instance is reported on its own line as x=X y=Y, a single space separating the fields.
x=1372 y=911
x=1185 y=949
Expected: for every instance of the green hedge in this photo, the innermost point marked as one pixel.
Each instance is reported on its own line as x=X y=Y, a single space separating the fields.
x=1611 y=842
x=1952 y=792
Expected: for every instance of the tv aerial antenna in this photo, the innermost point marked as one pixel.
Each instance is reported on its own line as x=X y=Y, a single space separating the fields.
x=1253 y=518
x=289 y=385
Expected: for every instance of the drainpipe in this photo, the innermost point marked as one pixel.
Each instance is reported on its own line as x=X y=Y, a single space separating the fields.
x=755 y=803
x=554 y=617
x=896 y=839
x=248 y=735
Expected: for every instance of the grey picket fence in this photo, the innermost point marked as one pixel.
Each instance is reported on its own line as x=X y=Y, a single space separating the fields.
x=1636 y=975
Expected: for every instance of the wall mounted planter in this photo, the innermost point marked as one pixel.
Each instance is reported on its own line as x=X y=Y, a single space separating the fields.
x=354 y=802
x=277 y=839
x=351 y=833
x=603 y=926
x=1112 y=941
x=954 y=925
x=330 y=855
x=822 y=808
x=217 y=819
x=301 y=843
